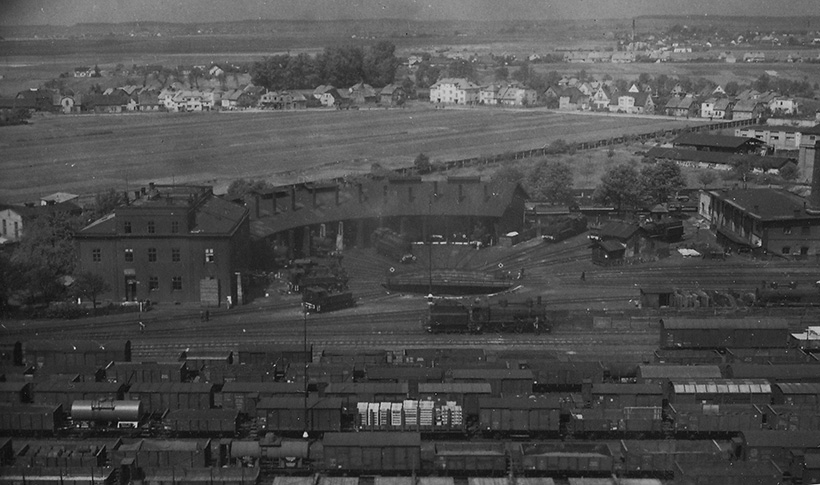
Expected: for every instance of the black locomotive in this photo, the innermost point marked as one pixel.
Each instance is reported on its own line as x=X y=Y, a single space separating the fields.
x=452 y=316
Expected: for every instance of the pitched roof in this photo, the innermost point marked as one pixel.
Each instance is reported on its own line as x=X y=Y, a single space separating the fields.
x=766 y=204
x=714 y=141
x=459 y=83
x=618 y=230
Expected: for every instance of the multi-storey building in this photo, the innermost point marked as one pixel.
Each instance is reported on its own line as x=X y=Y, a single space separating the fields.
x=172 y=243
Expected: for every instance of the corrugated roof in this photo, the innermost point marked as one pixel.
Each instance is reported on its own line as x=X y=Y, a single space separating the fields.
x=679 y=371
x=455 y=388
x=724 y=323
x=799 y=387
x=491 y=374
x=372 y=440
x=367 y=388
x=722 y=386
x=299 y=403
x=171 y=387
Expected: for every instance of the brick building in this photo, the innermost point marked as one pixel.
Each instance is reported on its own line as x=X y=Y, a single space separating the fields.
x=172 y=243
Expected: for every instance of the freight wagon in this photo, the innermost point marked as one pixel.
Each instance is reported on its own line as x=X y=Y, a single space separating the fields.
x=372 y=452
x=722 y=333
x=563 y=458
x=288 y=415
x=564 y=228
x=392 y=245
x=530 y=416
x=659 y=457
x=714 y=420
x=320 y=300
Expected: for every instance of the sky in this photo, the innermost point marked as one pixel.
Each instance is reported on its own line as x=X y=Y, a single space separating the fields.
x=69 y=12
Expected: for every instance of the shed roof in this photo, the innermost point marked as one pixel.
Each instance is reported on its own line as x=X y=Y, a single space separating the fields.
x=455 y=388
x=264 y=387
x=492 y=374
x=779 y=372
x=62 y=386
x=372 y=440
x=521 y=402
x=367 y=388
x=799 y=387
x=781 y=439
x=626 y=389
x=766 y=204
x=722 y=386
x=171 y=387
x=715 y=141
x=299 y=403
x=679 y=371
x=768 y=323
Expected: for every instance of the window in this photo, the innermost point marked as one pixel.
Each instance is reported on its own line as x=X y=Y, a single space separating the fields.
x=4 y=227
x=176 y=283
x=129 y=255
x=153 y=283
x=174 y=227
x=804 y=251
x=151 y=227
x=126 y=227
x=209 y=255
x=152 y=255
x=96 y=255
x=175 y=255
x=806 y=230
x=16 y=230
x=787 y=250
x=787 y=230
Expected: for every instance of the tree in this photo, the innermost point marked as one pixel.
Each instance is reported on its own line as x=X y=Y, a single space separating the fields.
x=524 y=73
x=619 y=186
x=461 y=68
x=427 y=75
x=89 y=285
x=732 y=88
x=789 y=172
x=509 y=173
x=106 y=202
x=660 y=180
x=241 y=187
x=502 y=73
x=380 y=64
x=706 y=178
x=422 y=163
x=550 y=180
x=46 y=253
x=9 y=281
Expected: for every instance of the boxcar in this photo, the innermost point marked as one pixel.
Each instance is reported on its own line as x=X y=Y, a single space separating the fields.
x=287 y=414
x=660 y=456
x=130 y=372
x=353 y=392
x=203 y=422
x=765 y=445
x=386 y=453
x=15 y=392
x=785 y=417
x=797 y=393
x=154 y=453
x=507 y=382
x=65 y=393
x=697 y=419
x=520 y=415
x=464 y=394
x=734 y=473
x=683 y=333
x=460 y=457
x=628 y=421
x=243 y=396
x=584 y=459
x=31 y=420
x=61 y=475
x=67 y=352
x=411 y=415
x=162 y=396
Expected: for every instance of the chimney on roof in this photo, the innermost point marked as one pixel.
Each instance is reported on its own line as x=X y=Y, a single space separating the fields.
x=293 y=198
x=142 y=190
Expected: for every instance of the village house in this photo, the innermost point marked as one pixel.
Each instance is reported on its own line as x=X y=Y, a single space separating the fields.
x=747 y=109
x=632 y=103
x=489 y=94
x=327 y=95
x=361 y=93
x=756 y=56
x=14 y=218
x=83 y=71
x=215 y=71
x=392 y=95
x=112 y=103
x=283 y=100
x=601 y=98
x=148 y=100
x=572 y=99
x=783 y=105
x=454 y=91
x=68 y=103
x=716 y=108
x=685 y=107
x=622 y=57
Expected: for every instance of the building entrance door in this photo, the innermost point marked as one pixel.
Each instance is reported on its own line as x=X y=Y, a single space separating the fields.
x=130 y=288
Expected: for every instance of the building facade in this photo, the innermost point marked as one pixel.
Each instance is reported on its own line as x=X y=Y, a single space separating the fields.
x=172 y=244
x=454 y=91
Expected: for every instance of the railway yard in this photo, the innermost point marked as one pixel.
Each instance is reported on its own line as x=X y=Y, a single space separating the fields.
x=606 y=390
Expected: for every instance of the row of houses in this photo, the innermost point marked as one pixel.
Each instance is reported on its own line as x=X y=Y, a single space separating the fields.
x=462 y=91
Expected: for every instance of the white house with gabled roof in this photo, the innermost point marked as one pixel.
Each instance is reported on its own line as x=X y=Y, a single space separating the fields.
x=454 y=91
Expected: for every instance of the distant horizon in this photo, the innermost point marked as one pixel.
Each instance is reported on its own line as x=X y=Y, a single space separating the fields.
x=68 y=13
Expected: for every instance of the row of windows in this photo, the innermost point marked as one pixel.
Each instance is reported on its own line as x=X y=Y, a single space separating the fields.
x=788 y=250
x=176 y=255
x=153 y=283
x=150 y=227
x=804 y=230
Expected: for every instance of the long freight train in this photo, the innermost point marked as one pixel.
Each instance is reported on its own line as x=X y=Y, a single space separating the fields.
x=452 y=316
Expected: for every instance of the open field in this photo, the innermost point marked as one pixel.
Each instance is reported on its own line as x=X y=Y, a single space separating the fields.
x=88 y=153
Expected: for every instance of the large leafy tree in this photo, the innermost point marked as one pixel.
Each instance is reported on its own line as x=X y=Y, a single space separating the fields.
x=619 y=186
x=550 y=180
x=380 y=64
x=660 y=180
x=462 y=68
x=106 y=202
x=89 y=285
x=46 y=253
x=427 y=75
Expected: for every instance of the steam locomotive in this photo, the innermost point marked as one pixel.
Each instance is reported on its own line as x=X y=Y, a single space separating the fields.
x=501 y=316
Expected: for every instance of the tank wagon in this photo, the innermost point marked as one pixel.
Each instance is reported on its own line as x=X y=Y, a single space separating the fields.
x=451 y=316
